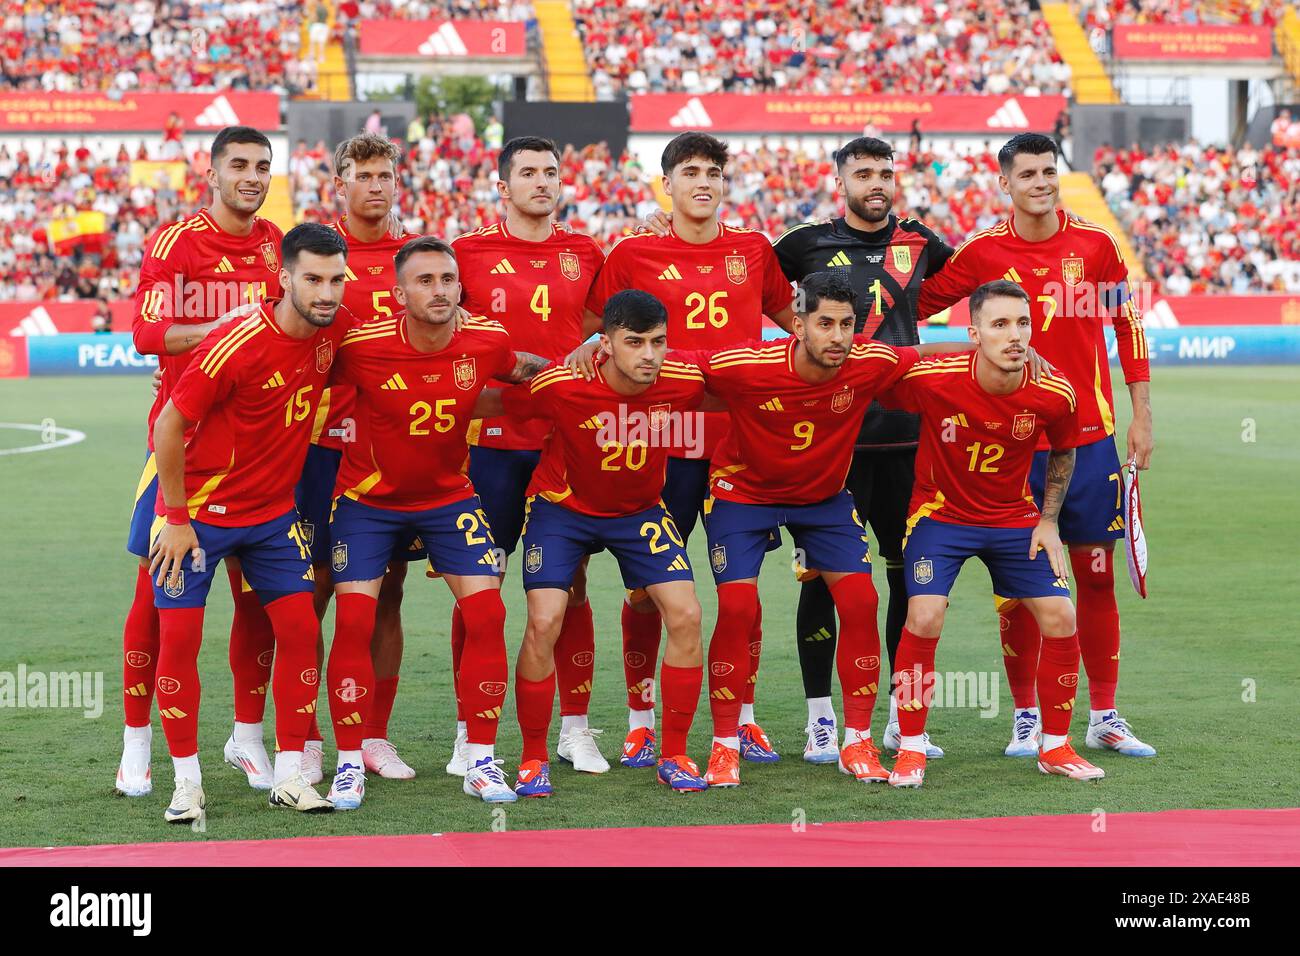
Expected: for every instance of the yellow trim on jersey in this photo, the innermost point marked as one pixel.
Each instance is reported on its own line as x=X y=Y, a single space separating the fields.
x=1107 y=416
x=777 y=349
x=927 y=509
x=1059 y=388
x=484 y=325
x=371 y=330
x=550 y=377
x=682 y=376
x=214 y=360
x=555 y=497
x=322 y=415
x=162 y=249
x=205 y=492
x=918 y=371
x=726 y=472
x=364 y=485
x=1081 y=224
x=472 y=433
x=146 y=476
x=151 y=308
x=1000 y=229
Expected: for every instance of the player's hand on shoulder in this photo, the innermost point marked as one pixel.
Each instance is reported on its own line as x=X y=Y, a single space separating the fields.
x=168 y=551
x=395 y=228
x=1038 y=366
x=458 y=321
x=1047 y=537
x=658 y=222
x=582 y=360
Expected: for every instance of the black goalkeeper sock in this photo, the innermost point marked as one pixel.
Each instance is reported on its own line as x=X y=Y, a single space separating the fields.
x=896 y=612
x=815 y=627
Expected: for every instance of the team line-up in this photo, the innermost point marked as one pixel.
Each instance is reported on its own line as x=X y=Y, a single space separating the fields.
x=386 y=398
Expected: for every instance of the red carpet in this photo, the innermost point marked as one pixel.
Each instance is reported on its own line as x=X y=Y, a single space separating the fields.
x=1169 y=838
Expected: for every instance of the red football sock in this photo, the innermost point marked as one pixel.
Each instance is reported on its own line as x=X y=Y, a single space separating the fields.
x=140 y=643
x=914 y=681
x=350 y=675
x=534 y=701
x=1020 y=641
x=484 y=670
x=1058 y=678
x=755 y=654
x=681 y=687
x=181 y=634
x=857 y=655
x=295 y=680
x=729 y=654
x=641 y=635
x=1094 y=582
x=252 y=648
x=457 y=651
x=575 y=660
x=382 y=709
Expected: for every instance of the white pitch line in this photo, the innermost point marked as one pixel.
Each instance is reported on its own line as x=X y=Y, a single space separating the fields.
x=70 y=437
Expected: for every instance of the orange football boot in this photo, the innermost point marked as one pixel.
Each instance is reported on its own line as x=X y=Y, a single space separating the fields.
x=909 y=769
x=1063 y=760
x=724 y=767
x=861 y=759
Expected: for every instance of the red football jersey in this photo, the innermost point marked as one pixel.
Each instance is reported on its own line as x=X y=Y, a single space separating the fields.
x=413 y=410
x=1073 y=280
x=253 y=392
x=194 y=272
x=716 y=293
x=367 y=294
x=976 y=448
x=791 y=441
x=537 y=290
x=608 y=452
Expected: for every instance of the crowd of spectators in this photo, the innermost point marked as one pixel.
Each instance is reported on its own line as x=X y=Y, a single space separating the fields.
x=1103 y=14
x=816 y=46
x=143 y=45
x=1209 y=219
x=352 y=11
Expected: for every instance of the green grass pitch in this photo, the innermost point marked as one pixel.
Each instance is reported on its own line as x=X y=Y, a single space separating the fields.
x=1208 y=672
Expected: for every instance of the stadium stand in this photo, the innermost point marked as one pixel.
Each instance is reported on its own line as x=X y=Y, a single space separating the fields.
x=805 y=46
x=1209 y=219
x=1107 y=13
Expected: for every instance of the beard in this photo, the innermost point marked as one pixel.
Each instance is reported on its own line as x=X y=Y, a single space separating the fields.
x=863 y=211
x=305 y=310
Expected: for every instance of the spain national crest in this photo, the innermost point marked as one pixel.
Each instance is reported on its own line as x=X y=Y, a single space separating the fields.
x=270 y=256
x=736 y=271
x=1072 y=271
x=570 y=267
x=902 y=258
x=465 y=372
x=308 y=531
x=339 y=557
x=177 y=588
x=923 y=571
x=533 y=559
x=842 y=400
x=324 y=357
x=1022 y=426
x=659 y=416
x=718 y=556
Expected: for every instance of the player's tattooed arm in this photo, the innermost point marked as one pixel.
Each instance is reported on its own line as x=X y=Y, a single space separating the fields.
x=1046 y=537
x=177 y=538
x=1141 y=440
x=527 y=365
x=181 y=338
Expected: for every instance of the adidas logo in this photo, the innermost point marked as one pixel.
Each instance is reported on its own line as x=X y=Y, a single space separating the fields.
x=723 y=694
x=865 y=691
x=224 y=265
x=139 y=690
x=1008 y=651
x=679 y=564
x=1009 y=116
x=911 y=706
x=394 y=384
x=839 y=259
x=309 y=709
x=351 y=720
x=1068 y=705
x=670 y=273
x=958 y=419
x=36 y=322
x=275 y=381
x=1116 y=525
x=493 y=714
x=821 y=634
x=1013 y=276
x=502 y=268
x=261 y=690
x=444 y=41
x=772 y=405
x=583 y=688
x=218 y=113
x=593 y=423
x=172 y=713
x=692 y=114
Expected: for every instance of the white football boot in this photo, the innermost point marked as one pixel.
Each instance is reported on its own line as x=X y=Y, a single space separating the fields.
x=893 y=740
x=821 y=746
x=579 y=748
x=296 y=793
x=250 y=756
x=1026 y=731
x=485 y=781
x=134 y=778
x=458 y=765
x=1112 y=732
x=188 y=803
x=349 y=788
x=379 y=756
x=313 y=762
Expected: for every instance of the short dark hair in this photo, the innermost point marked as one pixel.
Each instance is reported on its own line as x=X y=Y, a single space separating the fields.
x=1029 y=144
x=314 y=238
x=693 y=145
x=236 y=134
x=519 y=144
x=830 y=285
x=422 y=244
x=634 y=310
x=998 y=289
x=863 y=146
